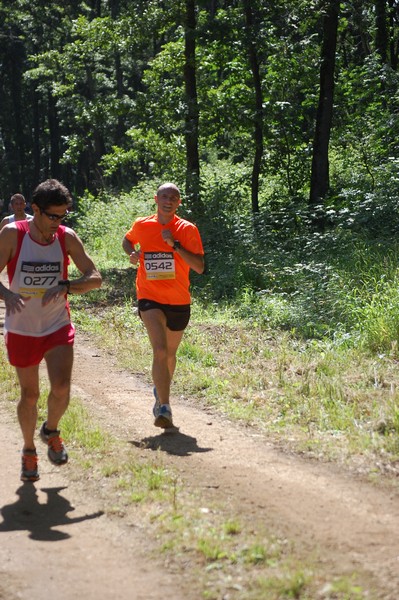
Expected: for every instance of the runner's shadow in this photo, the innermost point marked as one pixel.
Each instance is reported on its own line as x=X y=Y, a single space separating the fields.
x=176 y=443
x=39 y=519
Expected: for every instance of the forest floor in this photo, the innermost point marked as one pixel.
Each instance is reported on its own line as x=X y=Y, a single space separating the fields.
x=62 y=537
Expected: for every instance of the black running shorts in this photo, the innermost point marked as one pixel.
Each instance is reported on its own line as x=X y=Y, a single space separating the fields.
x=177 y=315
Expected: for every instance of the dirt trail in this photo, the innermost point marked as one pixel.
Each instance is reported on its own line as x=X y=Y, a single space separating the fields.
x=55 y=537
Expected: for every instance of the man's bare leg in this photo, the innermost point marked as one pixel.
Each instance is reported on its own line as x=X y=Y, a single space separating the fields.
x=59 y=361
x=155 y=323
x=164 y=344
x=27 y=406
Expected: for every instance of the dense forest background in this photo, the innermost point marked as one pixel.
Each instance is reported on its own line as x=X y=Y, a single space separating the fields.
x=102 y=94
x=278 y=120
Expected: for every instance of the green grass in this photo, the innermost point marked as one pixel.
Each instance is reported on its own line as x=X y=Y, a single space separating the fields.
x=333 y=401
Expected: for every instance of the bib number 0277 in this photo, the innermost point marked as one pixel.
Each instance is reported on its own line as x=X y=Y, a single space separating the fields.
x=39 y=280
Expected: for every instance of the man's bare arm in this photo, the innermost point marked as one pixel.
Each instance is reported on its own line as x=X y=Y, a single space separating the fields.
x=91 y=278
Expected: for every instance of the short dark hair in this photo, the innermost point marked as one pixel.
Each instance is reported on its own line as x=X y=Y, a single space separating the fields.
x=16 y=197
x=51 y=193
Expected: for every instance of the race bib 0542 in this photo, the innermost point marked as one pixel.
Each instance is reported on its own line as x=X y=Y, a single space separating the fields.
x=159 y=265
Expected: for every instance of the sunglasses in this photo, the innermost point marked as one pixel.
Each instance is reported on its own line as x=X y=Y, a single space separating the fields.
x=54 y=217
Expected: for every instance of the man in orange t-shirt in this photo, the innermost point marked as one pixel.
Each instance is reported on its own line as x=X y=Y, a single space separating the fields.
x=165 y=247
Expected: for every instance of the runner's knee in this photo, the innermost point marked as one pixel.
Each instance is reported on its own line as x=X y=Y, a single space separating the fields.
x=29 y=397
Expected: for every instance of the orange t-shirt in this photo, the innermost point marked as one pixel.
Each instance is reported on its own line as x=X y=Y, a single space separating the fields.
x=163 y=276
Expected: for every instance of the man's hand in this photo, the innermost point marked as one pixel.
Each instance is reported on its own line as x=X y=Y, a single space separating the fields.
x=134 y=257
x=168 y=237
x=53 y=293
x=14 y=302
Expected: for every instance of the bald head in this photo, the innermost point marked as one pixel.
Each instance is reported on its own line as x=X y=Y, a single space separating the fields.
x=168 y=186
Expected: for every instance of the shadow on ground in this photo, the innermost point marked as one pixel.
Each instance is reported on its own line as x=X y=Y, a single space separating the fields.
x=176 y=443
x=27 y=513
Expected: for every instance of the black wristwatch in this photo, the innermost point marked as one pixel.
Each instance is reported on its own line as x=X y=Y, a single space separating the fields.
x=65 y=282
x=176 y=245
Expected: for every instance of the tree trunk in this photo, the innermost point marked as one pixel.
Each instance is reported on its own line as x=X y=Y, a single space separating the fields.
x=192 y=111
x=120 y=127
x=320 y=177
x=54 y=137
x=258 y=118
x=393 y=44
x=18 y=162
x=36 y=137
x=381 y=34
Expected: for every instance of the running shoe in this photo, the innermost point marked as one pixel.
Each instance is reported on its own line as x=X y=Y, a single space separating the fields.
x=164 y=417
x=29 y=471
x=162 y=413
x=56 y=452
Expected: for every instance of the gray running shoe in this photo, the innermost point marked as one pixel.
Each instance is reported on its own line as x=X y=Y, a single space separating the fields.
x=56 y=452
x=29 y=471
x=162 y=413
x=164 y=417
